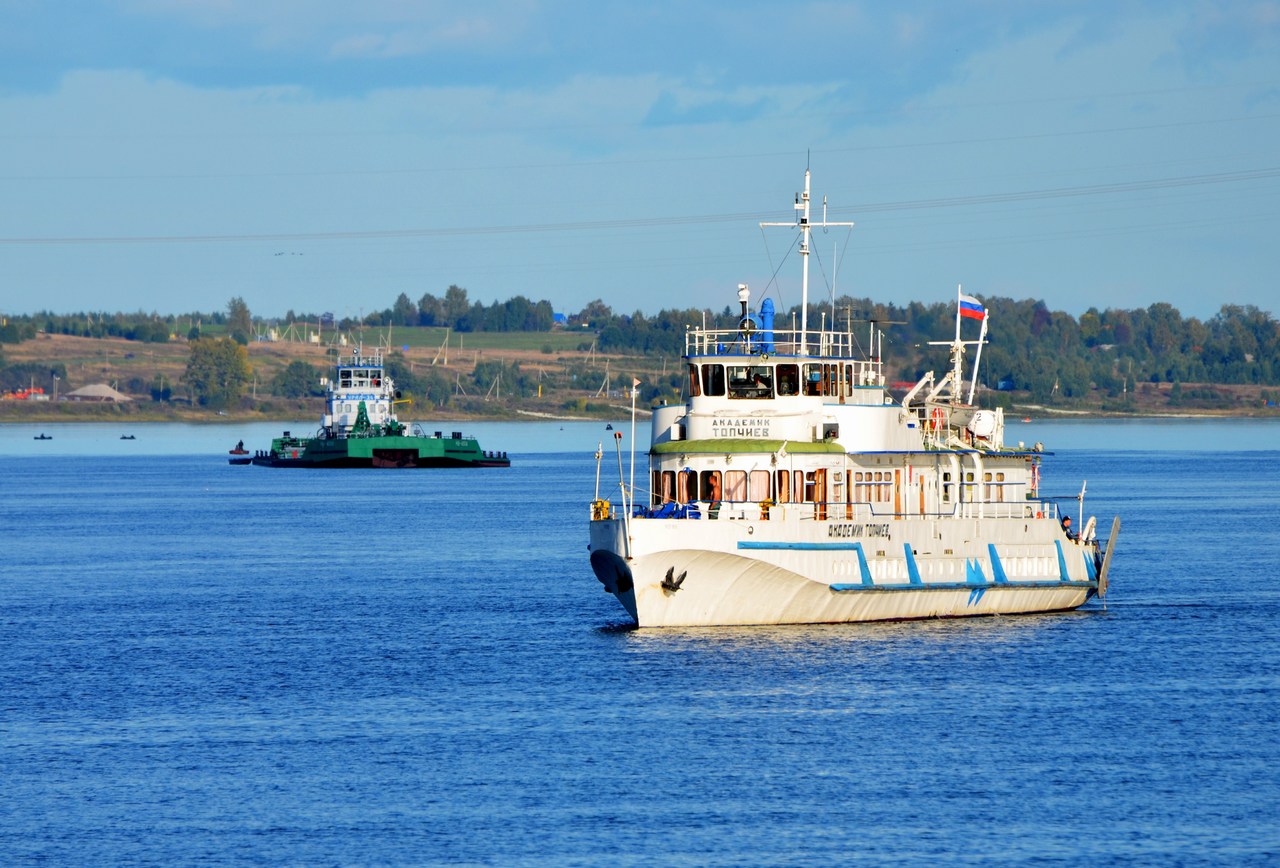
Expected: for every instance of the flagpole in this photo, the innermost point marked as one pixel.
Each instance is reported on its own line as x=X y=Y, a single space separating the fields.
x=957 y=351
x=977 y=358
x=599 y=455
x=634 y=388
x=959 y=295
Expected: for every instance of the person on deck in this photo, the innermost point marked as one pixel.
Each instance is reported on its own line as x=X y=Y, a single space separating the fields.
x=1066 y=528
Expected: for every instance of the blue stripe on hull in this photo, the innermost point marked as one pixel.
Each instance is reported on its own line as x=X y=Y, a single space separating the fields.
x=802 y=546
x=842 y=587
x=1062 y=561
x=975 y=579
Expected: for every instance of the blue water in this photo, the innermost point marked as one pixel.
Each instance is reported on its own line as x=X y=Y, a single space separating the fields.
x=206 y=663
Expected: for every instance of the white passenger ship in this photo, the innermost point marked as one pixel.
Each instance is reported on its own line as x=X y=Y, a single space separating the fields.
x=792 y=488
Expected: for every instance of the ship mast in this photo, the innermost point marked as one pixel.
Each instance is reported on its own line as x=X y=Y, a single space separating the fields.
x=805 y=226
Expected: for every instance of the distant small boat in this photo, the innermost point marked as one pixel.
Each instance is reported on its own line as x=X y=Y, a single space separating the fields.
x=42 y=437
x=1026 y=418
x=127 y=437
x=239 y=450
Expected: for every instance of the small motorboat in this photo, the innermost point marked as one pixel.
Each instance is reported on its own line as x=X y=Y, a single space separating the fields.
x=127 y=437
x=42 y=436
x=239 y=450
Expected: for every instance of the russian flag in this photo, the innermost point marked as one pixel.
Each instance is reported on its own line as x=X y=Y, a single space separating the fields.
x=971 y=308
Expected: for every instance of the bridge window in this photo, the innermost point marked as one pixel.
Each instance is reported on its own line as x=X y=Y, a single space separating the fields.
x=788 y=380
x=713 y=379
x=750 y=381
x=694 y=390
x=814 y=384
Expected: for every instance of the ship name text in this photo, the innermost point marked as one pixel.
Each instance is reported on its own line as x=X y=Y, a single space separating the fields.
x=740 y=428
x=857 y=530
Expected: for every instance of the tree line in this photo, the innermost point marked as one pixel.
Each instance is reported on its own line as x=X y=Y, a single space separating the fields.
x=1031 y=348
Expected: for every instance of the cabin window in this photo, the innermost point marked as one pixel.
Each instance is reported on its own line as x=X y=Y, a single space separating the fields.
x=784 y=487
x=838 y=492
x=735 y=485
x=664 y=486
x=694 y=390
x=788 y=380
x=713 y=380
x=750 y=381
x=883 y=480
x=947 y=488
x=758 y=486
x=687 y=491
x=815 y=491
x=710 y=488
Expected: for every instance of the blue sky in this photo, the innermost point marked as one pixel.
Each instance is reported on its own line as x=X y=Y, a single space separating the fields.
x=167 y=155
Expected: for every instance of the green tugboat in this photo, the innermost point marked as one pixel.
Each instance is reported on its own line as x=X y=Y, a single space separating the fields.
x=360 y=429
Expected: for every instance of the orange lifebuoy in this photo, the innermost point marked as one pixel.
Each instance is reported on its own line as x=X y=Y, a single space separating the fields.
x=937 y=418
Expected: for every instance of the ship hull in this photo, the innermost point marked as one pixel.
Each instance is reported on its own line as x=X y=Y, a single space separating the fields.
x=379 y=452
x=755 y=574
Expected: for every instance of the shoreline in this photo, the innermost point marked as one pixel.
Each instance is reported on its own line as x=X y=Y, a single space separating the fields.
x=96 y=413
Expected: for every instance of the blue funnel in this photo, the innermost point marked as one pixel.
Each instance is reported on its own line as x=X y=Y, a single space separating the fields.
x=765 y=338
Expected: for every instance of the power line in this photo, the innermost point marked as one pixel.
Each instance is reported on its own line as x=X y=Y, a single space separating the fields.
x=642 y=222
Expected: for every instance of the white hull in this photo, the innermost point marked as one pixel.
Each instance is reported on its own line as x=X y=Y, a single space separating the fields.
x=791 y=572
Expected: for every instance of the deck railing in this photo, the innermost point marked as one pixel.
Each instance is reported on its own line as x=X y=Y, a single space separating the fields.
x=744 y=510
x=821 y=343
